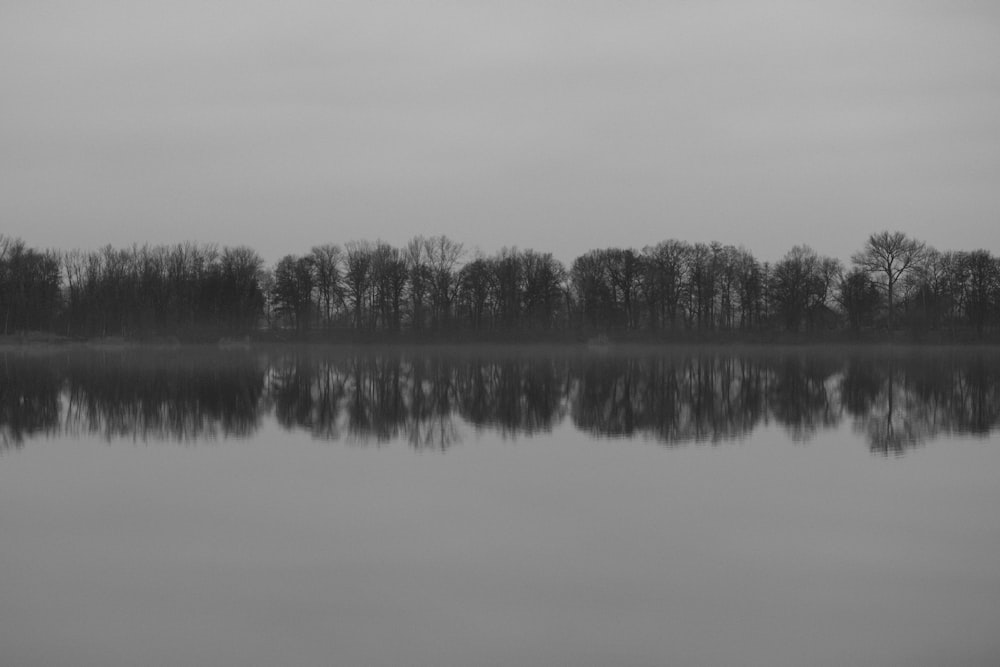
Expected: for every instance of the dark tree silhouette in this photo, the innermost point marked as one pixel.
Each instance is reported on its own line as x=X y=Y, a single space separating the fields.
x=801 y=284
x=357 y=278
x=29 y=287
x=425 y=289
x=983 y=276
x=294 y=282
x=327 y=270
x=891 y=256
x=858 y=297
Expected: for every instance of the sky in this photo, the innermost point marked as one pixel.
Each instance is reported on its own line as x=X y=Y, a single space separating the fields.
x=557 y=126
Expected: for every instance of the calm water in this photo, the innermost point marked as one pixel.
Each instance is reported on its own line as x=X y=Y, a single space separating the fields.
x=499 y=507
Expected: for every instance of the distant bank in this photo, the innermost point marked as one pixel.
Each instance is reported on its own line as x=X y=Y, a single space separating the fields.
x=433 y=289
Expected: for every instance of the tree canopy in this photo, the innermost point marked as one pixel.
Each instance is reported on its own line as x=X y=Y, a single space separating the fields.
x=434 y=287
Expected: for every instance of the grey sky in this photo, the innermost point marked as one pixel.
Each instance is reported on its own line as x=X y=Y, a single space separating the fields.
x=558 y=126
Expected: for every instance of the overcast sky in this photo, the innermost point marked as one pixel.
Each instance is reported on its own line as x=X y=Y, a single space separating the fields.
x=558 y=126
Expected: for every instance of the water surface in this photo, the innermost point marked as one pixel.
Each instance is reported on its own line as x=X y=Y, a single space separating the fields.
x=499 y=507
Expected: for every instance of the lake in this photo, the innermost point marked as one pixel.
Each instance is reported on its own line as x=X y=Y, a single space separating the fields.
x=499 y=506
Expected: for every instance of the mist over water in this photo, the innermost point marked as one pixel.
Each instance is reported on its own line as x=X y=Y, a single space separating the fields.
x=515 y=506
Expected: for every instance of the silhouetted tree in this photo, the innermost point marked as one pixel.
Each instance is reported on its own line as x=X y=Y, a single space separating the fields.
x=326 y=262
x=858 y=297
x=507 y=282
x=293 y=290
x=544 y=280
x=241 y=297
x=701 y=290
x=592 y=289
x=477 y=288
x=665 y=281
x=443 y=256
x=891 y=256
x=29 y=287
x=420 y=279
x=388 y=278
x=623 y=274
x=983 y=283
x=357 y=277
x=801 y=283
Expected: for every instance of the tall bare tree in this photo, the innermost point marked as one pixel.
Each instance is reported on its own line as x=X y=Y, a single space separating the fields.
x=891 y=255
x=388 y=279
x=294 y=281
x=443 y=256
x=665 y=280
x=358 y=276
x=984 y=278
x=326 y=260
x=420 y=278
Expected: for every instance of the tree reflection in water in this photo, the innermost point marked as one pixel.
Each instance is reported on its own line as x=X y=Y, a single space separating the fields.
x=800 y=396
x=29 y=399
x=896 y=400
x=903 y=402
x=674 y=399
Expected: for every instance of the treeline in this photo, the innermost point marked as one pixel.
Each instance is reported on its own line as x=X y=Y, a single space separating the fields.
x=134 y=292
x=433 y=287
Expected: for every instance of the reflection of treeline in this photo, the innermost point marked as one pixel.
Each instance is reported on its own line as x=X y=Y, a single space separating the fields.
x=674 y=399
x=895 y=400
x=901 y=402
x=392 y=395
x=139 y=396
x=178 y=396
x=29 y=399
x=432 y=287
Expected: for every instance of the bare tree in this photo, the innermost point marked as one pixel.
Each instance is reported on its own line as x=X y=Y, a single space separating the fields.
x=592 y=290
x=857 y=297
x=984 y=277
x=443 y=256
x=622 y=267
x=701 y=285
x=240 y=295
x=508 y=282
x=415 y=256
x=801 y=285
x=892 y=255
x=294 y=281
x=476 y=279
x=666 y=265
x=544 y=281
x=358 y=275
x=326 y=260
x=388 y=279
